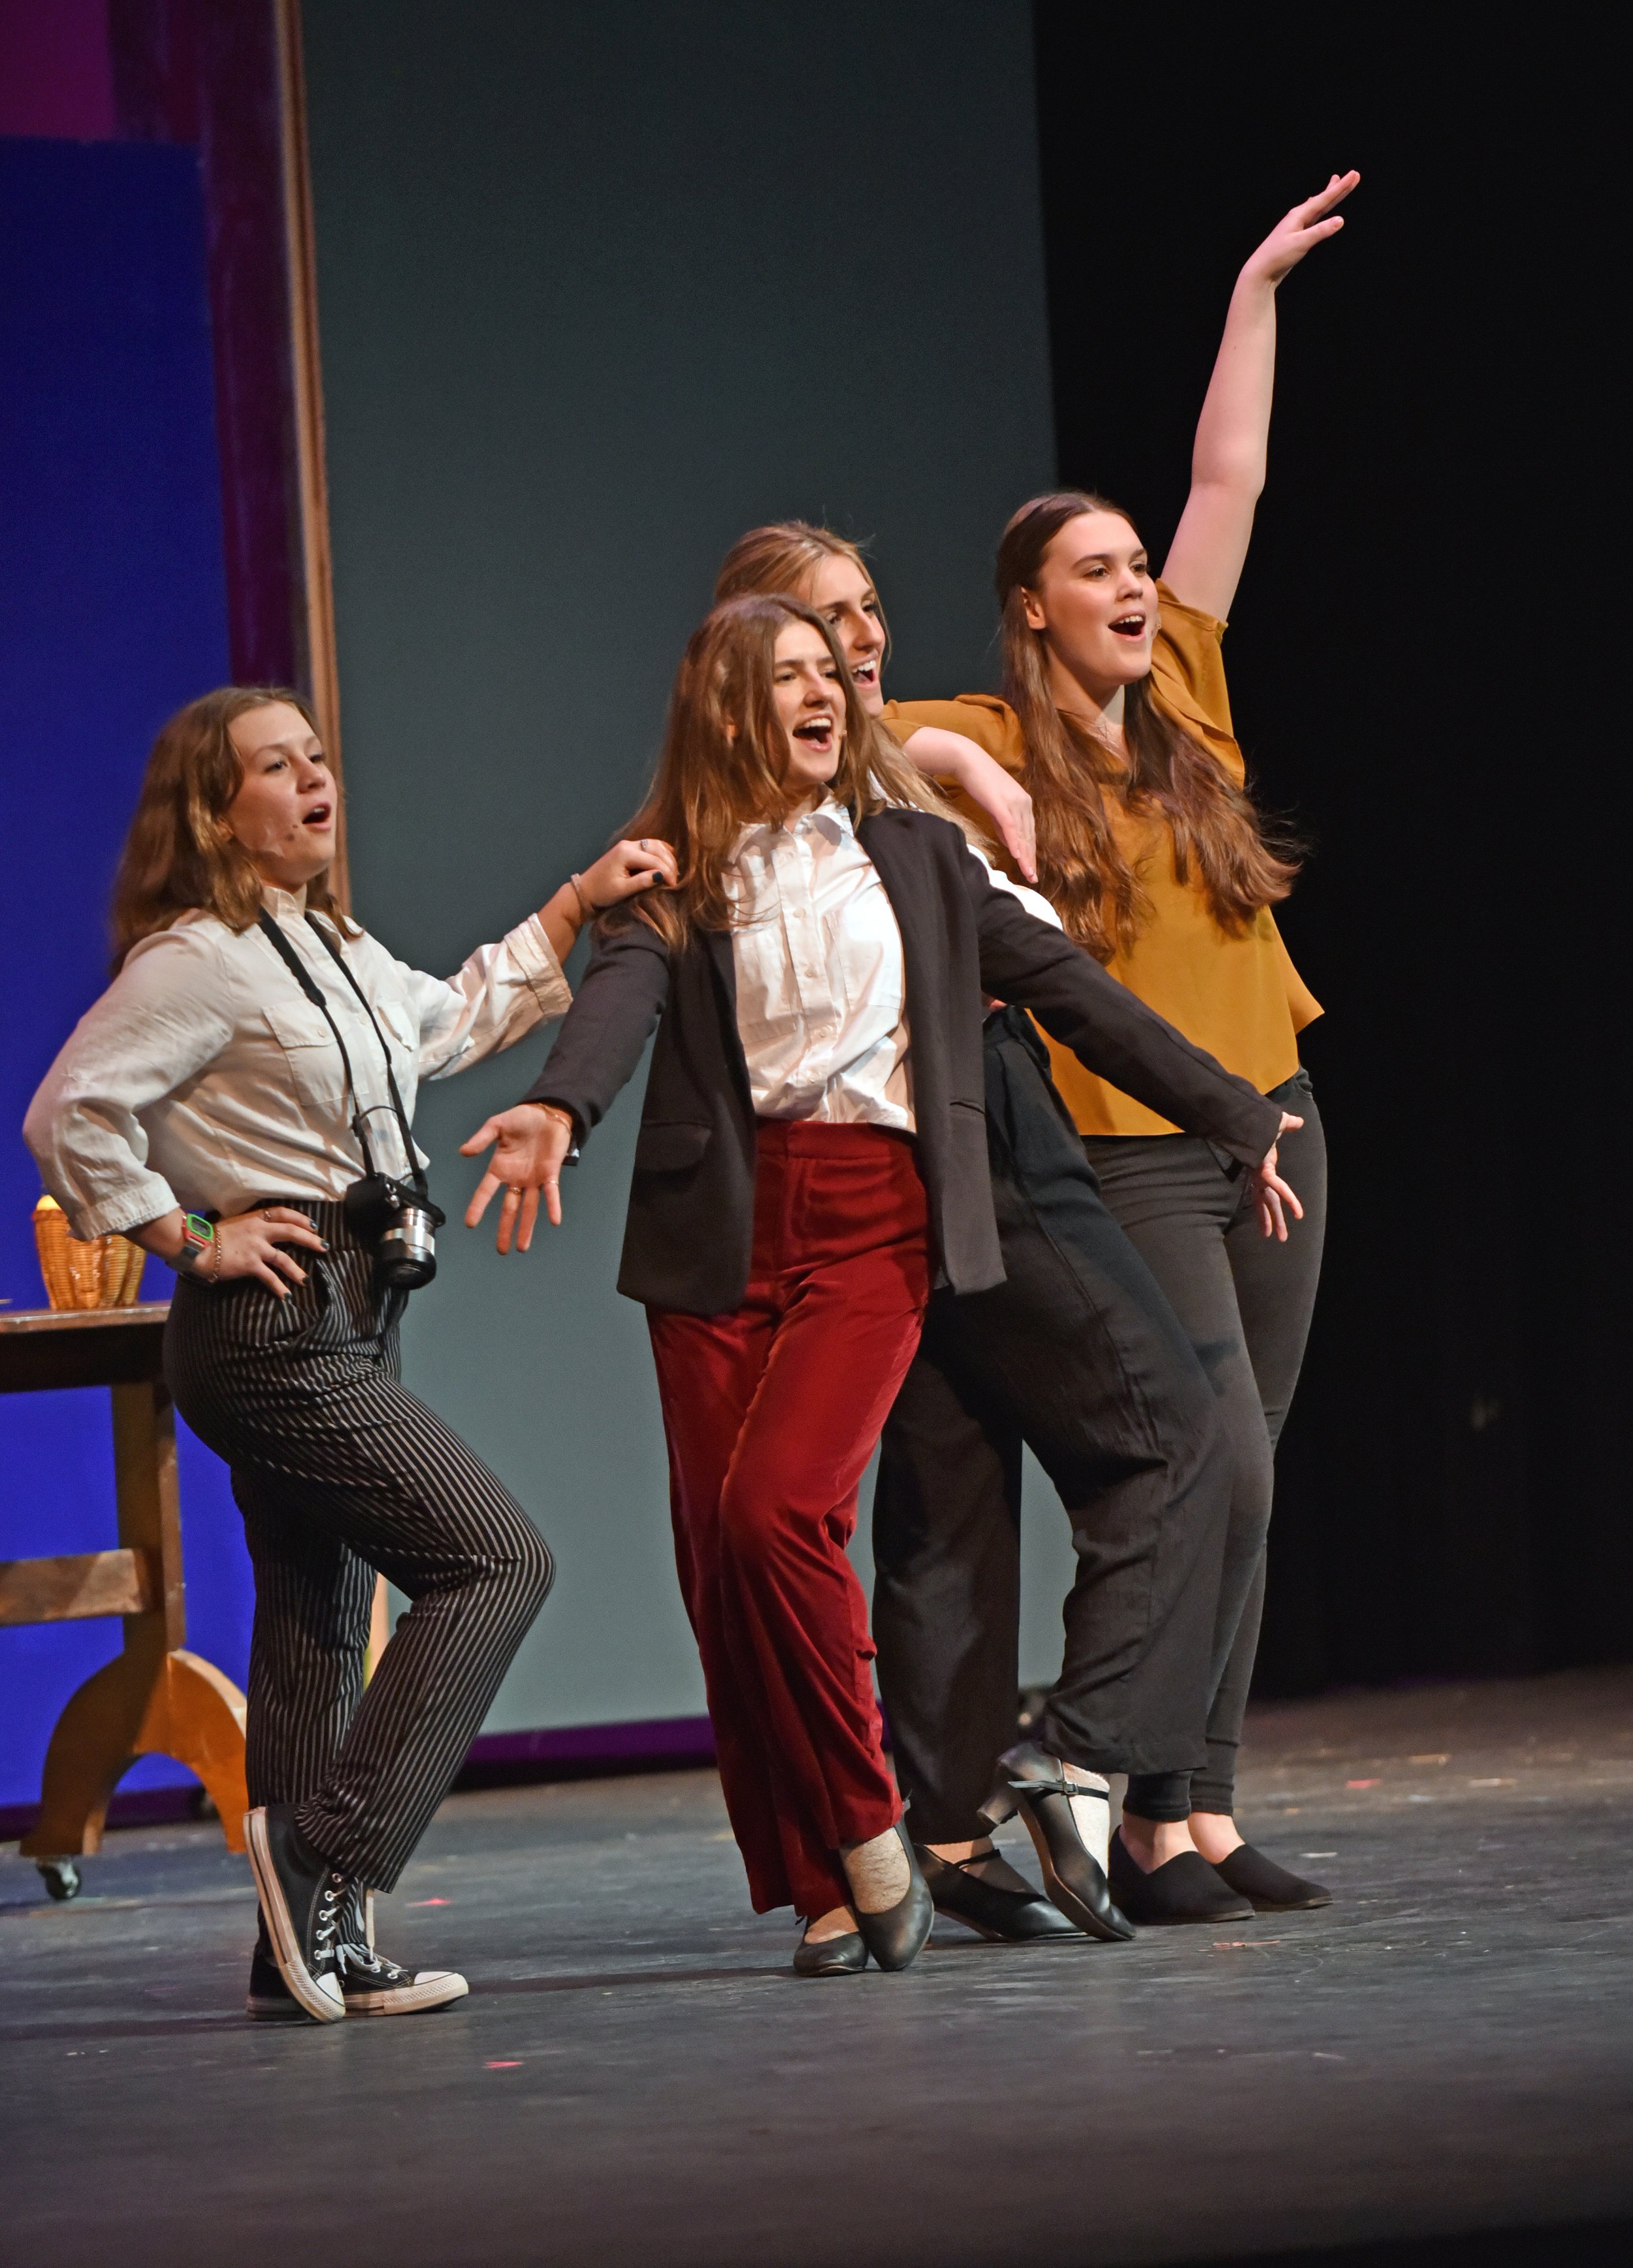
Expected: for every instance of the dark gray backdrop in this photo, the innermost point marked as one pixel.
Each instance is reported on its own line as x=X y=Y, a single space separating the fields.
x=599 y=288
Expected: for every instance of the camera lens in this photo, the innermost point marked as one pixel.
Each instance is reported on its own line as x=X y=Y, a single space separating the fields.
x=408 y=1249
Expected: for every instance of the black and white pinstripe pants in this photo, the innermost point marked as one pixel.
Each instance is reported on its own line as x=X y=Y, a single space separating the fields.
x=339 y=1471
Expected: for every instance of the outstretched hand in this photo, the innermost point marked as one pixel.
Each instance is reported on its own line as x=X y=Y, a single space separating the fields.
x=1298 y=231
x=531 y=1146
x=1273 y=1197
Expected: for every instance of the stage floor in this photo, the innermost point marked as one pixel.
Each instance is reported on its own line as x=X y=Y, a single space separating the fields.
x=637 y=2077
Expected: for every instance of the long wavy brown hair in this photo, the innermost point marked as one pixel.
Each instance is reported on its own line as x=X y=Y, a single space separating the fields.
x=179 y=855
x=724 y=763
x=1071 y=772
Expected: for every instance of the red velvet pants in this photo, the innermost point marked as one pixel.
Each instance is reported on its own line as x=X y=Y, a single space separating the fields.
x=771 y=1413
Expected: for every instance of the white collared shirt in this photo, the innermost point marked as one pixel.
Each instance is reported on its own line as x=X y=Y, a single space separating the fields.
x=203 y=1077
x=821 y=984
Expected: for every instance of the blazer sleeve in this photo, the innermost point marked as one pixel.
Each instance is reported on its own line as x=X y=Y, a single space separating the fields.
x=613 y=1015
x=1110 y=1030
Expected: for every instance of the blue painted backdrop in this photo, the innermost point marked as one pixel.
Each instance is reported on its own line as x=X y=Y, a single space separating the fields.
x=112 y=613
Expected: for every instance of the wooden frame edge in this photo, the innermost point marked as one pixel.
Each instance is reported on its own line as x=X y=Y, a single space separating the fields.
x=312 y=475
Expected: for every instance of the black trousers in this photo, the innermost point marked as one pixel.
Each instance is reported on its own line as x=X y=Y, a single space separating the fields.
x=1079 y=1355
x=1245 y=1301
x=340 y=1472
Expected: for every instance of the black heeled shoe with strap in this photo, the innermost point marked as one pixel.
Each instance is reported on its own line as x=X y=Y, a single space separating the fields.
x=1034 y=1784
x=992 y=1910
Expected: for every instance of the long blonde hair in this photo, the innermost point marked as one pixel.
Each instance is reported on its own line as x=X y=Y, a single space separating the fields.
x=725 y=760
x=1071 y=775
x=179 y=855
x=785 y=555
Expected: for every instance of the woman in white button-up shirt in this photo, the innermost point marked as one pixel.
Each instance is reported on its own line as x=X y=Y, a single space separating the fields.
x=254 y=1050
x=812 y=1158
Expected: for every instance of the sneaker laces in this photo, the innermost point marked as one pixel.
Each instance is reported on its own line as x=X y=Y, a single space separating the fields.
x=330 y=1899
x=363 y=1961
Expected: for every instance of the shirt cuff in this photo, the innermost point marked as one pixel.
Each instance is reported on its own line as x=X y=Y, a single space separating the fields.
x=529 y=947
x=131 y=1206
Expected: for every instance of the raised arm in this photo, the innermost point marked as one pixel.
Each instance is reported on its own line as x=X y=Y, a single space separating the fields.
x=1204 y=562
x=504 y=991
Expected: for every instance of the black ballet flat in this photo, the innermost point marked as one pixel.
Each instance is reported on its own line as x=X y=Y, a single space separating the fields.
x=1000 y=1916
x=1267 y=1888
x=897 y=1936
x=835 y=1956
x=1035 y=1785
x=1186 y=1889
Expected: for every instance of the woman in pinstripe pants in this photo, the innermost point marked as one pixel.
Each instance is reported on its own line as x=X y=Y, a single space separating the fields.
x=250 y=1063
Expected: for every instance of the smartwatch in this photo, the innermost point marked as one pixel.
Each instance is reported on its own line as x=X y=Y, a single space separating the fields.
x=198 y=1237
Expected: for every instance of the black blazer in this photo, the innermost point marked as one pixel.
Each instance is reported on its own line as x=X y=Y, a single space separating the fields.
x=688 y=1237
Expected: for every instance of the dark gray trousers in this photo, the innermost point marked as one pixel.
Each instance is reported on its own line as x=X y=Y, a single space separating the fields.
x=340 y=1472
x=1245 y=1301
x=1079 y=1354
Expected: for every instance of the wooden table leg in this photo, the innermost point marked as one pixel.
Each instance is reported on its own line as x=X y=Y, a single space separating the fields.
x=153 y=1698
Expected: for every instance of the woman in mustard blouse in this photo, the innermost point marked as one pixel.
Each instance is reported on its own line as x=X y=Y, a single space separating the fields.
x=1117 y=722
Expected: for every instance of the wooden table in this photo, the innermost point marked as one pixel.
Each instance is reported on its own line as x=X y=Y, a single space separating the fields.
x=154 y=1698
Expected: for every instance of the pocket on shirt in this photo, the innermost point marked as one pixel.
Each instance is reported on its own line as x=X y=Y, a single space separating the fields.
x=311 y=1058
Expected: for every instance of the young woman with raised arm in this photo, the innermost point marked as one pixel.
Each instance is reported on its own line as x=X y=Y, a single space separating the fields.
x=1116 y=720
x=254 y=1060
x=812 y=1165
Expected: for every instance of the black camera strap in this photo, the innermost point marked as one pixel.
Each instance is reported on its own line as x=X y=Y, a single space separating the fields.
x=314 y=992
x=339 y=959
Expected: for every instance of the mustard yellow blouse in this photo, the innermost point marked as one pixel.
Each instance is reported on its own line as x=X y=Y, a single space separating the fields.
x=1239 y=997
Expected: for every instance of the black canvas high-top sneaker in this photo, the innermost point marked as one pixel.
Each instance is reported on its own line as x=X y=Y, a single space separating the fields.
x=373 y=1986
x=302 y=1899
x=370 y=1984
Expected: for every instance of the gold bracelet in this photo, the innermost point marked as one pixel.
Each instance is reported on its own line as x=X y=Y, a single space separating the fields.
x=589 y=911
x=555 y=1110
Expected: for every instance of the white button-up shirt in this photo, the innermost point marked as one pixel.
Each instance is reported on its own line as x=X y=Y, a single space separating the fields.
x=204 y=1077
x=821 y=984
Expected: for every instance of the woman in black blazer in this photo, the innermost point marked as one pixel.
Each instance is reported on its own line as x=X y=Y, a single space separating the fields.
x=811 y=1163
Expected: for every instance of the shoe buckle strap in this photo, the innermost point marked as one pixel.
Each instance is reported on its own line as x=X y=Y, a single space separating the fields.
x=1061 y=1787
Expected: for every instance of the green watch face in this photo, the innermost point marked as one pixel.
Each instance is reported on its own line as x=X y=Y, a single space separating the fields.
x=197 y=1228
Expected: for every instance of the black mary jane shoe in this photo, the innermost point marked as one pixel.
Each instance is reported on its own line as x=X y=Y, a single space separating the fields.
x=834 y=1956
x=1001 y=1916
x=897 y=1936
x=1035 y=1785
x=1181 y=1889
x=1267 y=1888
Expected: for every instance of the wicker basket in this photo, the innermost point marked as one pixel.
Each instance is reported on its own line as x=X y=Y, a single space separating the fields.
x=104 y=1273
